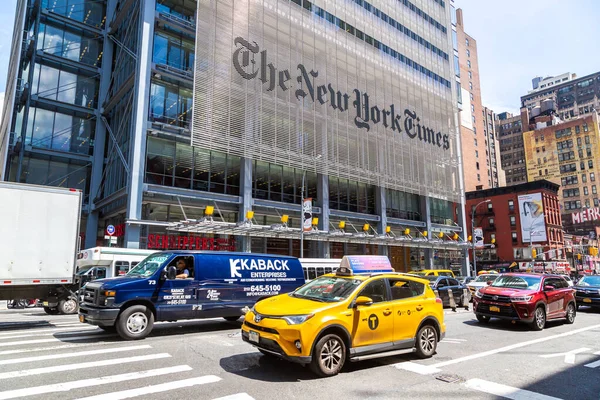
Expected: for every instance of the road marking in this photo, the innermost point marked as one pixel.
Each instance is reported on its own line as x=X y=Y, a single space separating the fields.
x=455 y=340
x=418 y=368
x=85 y=383
x=49 y=332
x=595 y=364
x=237 y=396
x=163 y=387
x=513 y=346
x=569 y=355
x=61 y=339
x=72 y=367
x=76 y=354
x=56 y=328
x=51 y=348
x=509 y=392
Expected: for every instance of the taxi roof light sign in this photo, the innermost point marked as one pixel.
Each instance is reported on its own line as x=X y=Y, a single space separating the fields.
x=352 y=265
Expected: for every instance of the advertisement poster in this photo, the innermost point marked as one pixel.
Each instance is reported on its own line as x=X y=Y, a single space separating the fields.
x=531 y=211
x=478 y=235
x=307 y=215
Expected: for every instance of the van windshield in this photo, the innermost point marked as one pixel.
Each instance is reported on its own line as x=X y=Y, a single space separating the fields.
x=149 y=265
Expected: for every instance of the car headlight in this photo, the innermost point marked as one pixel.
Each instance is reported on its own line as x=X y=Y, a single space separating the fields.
x=297 y=319
x=478 y=294
x=520 y=298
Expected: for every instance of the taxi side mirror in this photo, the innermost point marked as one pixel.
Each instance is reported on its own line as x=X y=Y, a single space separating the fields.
x=363 y=301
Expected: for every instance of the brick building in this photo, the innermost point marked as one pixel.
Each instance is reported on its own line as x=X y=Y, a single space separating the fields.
x=513 y=215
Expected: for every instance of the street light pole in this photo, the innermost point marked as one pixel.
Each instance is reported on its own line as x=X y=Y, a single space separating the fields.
x=473 y=236
x=302 y=216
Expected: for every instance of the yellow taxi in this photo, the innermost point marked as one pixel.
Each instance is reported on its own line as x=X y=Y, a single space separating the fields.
x=364 y=310
x=434 y=272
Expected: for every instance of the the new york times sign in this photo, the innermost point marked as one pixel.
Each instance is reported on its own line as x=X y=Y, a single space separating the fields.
x=252 y=63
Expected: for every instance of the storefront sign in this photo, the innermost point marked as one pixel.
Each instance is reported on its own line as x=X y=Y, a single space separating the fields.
x=171 y=242
x=587 y=215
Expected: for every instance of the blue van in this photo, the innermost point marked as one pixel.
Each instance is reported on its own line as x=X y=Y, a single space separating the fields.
x=175 y=285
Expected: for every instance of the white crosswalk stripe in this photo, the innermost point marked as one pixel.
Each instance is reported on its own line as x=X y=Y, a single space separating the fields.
x=31 y=348
x=163 y=387
x=70 y=355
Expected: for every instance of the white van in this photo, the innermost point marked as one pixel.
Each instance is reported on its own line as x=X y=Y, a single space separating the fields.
x=314 y=267
x=107 y=262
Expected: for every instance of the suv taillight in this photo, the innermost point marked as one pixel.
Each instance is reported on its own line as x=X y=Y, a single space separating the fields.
x=438 y=300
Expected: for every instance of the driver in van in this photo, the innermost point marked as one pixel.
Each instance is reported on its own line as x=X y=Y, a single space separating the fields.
x=182 y=271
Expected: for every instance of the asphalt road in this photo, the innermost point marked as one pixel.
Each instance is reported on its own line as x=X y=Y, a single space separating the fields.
x=56 y=357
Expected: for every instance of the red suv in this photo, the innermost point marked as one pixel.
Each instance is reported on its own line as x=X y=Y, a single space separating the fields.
x=531 y=298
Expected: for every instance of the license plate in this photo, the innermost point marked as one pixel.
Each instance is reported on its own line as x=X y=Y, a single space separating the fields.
x=45 y=303
x=81 y=318
x=254 y=336
x=587 y=300
x=494 y=308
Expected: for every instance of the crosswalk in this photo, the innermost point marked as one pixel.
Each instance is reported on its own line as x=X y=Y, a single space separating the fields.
x=59 y=358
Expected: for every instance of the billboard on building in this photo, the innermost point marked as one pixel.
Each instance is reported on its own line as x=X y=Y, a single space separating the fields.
x=331 y=88
x=478 y=234
x=531 y=211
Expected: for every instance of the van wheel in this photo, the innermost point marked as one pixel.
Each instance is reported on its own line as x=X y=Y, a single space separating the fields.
x=539 y=319
x=135 y=323
x=51 y=311
x=426 y=341
x=68 y=306
x=232 y=319
x=328 y=356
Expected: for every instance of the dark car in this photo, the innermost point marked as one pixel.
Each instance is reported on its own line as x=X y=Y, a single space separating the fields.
x=441 y=284
x=465 y=279
x=587 y=291
x=531 y=298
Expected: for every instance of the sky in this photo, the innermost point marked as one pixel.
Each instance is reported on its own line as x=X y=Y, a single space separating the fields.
x=518 y=40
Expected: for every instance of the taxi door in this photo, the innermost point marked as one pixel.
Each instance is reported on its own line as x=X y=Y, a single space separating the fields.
x=374 y=324
x=408 y=301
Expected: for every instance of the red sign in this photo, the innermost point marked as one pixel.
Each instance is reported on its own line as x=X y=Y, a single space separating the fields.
x=170 y=242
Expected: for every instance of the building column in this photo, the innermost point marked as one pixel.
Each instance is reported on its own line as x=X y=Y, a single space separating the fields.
x=137 y=155
x=324 y=250
x=426 y=211
x=91 y=229
x=245 y=242
x=380 y=209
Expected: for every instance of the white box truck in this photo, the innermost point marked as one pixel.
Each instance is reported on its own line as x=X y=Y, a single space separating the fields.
x=39 y=239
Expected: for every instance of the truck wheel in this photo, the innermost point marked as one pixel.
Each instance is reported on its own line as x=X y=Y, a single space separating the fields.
x=68 y=306
x=329 y=356
x=51 y=311
x=135 y=323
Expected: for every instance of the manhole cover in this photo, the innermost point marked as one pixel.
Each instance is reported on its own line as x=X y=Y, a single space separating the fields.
x=448 y=378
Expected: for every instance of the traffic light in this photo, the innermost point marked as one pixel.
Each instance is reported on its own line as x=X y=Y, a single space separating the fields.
x=470 y=238
x=579 y=256
x=533 y=253
x=493 y=241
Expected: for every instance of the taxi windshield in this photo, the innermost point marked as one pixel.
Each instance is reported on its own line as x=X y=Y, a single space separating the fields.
x=149 y=265
x=327 y=289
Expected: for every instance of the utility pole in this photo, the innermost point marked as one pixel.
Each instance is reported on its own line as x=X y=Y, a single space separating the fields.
x=473 y=236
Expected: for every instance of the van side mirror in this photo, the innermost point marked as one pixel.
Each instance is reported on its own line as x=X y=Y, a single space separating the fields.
x=169 y=272
x=363 y=301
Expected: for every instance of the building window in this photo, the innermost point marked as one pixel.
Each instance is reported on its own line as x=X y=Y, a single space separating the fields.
x=514 y=237
x=469 y=63
x=478 y=178
x=511 y=205
x=491 y=222
x=513 y=220
x=594 y=190
x=585 y=190
x=475 y=142
x=470 y=85
x=590 y=164
x=592 y=177
x=476 y=154
x=473 y=108
x=472 y=97
x=584 y=178
x=470 y=75
x=468 y=53
x=587 y=140
x=596 y=202
x=467 y=41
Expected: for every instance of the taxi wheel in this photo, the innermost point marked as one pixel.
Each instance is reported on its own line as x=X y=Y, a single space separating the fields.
x=329 y=356
x=426 y=341
x=135 y=322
